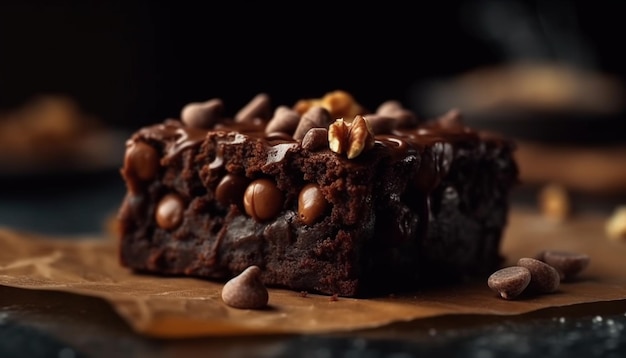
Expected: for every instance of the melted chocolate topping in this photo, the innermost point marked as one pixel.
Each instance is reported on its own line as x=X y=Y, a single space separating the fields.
x=434 y=142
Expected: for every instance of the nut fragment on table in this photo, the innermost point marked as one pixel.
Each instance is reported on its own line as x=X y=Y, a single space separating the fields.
x=554 y=202
x=616 y=225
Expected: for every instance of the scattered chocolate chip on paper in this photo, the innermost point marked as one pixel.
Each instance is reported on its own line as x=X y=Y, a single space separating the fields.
x=177 y=307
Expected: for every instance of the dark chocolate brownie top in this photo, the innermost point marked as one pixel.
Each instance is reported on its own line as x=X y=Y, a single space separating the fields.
x=335 y=122
x=335 y=128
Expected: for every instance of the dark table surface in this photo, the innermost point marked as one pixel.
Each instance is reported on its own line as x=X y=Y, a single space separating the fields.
x=55 y=324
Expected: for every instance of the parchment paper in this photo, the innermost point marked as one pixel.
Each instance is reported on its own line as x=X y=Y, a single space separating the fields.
x=169 y=307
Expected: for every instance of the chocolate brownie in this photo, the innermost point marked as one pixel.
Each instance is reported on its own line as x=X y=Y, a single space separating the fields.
x=324 y=196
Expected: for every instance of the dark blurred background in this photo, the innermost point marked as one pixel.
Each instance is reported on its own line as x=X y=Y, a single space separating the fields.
x=134 y=62
x=110 y=67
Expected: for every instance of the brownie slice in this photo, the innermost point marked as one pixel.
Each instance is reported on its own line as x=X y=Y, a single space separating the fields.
x=323 y=196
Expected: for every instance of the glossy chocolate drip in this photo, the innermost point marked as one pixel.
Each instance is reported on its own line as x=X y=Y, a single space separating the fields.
x=175 y=135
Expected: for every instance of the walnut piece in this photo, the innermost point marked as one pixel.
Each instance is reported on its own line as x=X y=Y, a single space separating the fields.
x=351 y=138
x=338 y=133
x=339 y=103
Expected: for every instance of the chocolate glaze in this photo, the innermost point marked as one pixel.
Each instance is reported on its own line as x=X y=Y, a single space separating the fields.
x=173 y=135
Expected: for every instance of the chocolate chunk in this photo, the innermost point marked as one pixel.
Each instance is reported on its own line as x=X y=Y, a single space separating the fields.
x=543 y=277
x=315 y=138
x=258 y=107
x=202 y=114
x=315 y=117
x=262 y=200
x=509 y=282
x=170 y=211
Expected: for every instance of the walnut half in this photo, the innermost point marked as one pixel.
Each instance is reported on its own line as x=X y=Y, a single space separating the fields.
x=351 y=138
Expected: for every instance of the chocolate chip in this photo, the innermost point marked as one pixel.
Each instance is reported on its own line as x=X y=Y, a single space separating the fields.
x=394 y=109
x=141 y=164
x=387 y=108
x=451 y=119
x=170 y=211
x=569 y=264
x=262 y=200
x=278 y=136
x=230 y=189
x=258 y=107
x=381 y=124
x=311 y=203
x=509 y=282
x=246 y=291
x=284 y=120
x=315 y=138
x=314 y=117
x=543 y=277
x=202 y=114
x=141 y=161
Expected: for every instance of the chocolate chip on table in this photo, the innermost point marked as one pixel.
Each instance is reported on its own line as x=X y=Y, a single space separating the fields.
x=246 y=291
x=569 y=264
x=510 y=281
x=543 y=277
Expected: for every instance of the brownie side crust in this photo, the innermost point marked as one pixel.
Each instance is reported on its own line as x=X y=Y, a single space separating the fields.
x=424 y=204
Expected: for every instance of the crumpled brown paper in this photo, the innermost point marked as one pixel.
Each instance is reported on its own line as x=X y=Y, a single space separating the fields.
x=188 y=307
